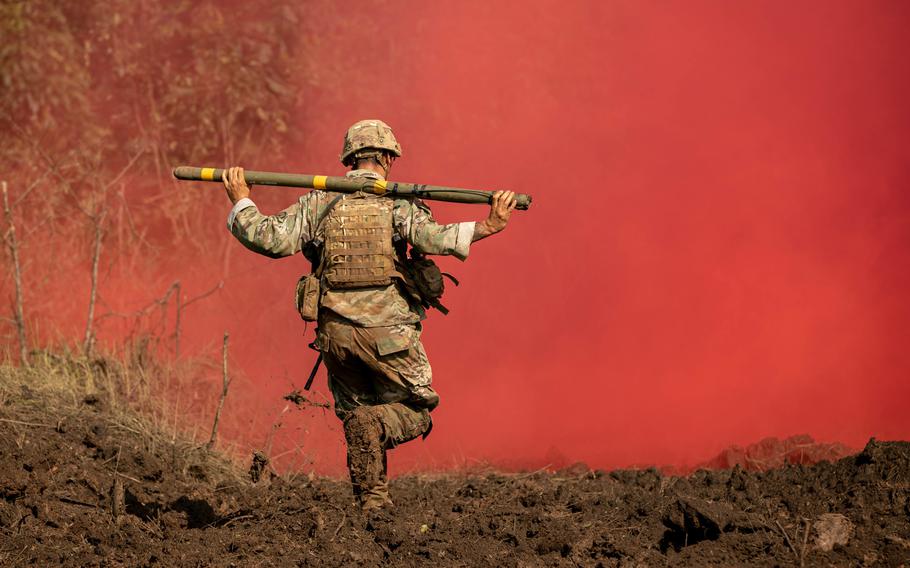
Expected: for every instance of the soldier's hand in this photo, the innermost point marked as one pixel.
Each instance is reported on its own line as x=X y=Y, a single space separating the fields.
x=234 y=184
x=501 y=210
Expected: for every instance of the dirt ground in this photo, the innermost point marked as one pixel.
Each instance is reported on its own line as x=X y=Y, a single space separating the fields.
x=86 y=489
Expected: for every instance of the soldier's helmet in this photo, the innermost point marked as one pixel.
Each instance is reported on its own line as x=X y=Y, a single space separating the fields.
x=367 y=135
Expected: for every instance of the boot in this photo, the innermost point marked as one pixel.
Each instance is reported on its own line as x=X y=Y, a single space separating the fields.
x=367 y=458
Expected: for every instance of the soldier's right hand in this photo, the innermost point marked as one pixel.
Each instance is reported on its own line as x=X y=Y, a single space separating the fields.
x=501 y=208
x=234 y=184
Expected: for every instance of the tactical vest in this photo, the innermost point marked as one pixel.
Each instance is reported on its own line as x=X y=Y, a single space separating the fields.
x=358 y=249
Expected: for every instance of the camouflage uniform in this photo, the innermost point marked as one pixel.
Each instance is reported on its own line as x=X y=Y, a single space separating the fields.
x=379 y=374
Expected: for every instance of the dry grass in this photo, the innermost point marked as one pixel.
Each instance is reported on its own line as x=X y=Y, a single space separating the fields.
x=129 y=388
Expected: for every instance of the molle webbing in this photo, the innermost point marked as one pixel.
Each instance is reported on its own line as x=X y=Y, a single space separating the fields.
x=358 y=243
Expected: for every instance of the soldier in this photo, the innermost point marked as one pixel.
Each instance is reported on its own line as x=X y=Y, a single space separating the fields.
x=368 y=315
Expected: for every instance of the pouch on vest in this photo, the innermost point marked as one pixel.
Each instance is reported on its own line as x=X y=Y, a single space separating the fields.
x=425 y=279
x=428 y=278
x=308 y=297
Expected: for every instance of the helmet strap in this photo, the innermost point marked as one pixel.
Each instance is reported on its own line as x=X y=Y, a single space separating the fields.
x=385 y=162
x=380 y=158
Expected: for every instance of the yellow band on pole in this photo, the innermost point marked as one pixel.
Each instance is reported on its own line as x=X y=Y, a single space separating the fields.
x=379 y=186
x=319 y=182
x=208 y=174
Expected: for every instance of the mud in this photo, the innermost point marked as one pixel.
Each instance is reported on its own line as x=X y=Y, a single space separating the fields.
x=84 y=489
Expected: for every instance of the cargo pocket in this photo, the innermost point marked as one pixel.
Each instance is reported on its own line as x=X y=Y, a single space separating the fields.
x=395 y=339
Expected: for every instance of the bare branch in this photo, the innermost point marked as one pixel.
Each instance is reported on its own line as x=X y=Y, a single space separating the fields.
x=21 y=423
x=802 y=551
x=177 y=322
x=129 y=219
x=787 y=539
x=13 y=247
x=93 y=292
x=204 y=295
x=226 y=382
x=147 y=308
x=54 y=168
x=29 y=189
x=124 y=170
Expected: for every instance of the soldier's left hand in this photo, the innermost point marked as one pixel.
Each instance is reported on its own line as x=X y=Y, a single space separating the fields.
x=501 y=209
x=234 y=184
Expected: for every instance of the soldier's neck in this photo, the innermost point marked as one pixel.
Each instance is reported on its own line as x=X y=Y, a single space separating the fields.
x=370 y=166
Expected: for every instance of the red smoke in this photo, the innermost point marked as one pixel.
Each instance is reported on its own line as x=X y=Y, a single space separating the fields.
x=717 y=251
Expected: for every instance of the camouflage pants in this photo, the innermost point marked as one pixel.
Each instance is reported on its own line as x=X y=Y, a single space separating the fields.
x=380 y=378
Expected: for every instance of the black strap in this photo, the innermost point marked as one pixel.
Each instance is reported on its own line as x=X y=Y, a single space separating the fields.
x=328 y=210
x=438 y=305
x=309 y=381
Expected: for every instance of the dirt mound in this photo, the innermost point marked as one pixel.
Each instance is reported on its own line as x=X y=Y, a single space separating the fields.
x=772 y=453
x=80 y=487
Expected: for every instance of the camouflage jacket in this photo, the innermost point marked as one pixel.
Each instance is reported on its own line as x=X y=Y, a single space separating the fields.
x=285 y=233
